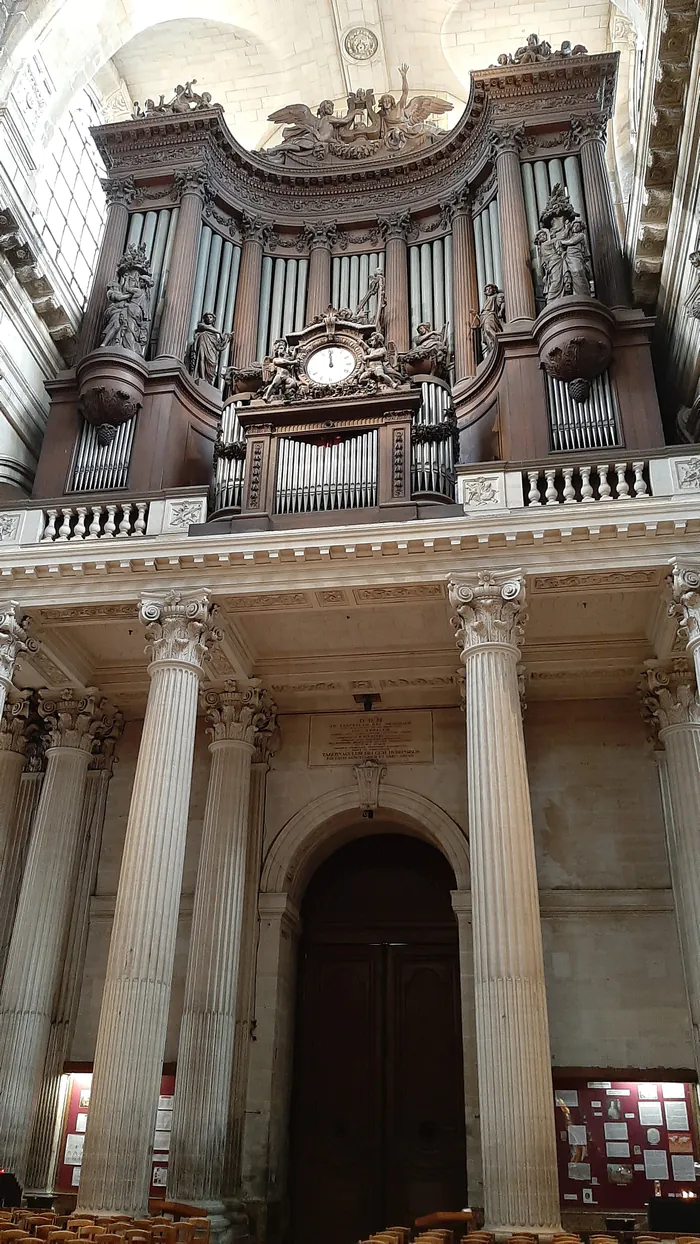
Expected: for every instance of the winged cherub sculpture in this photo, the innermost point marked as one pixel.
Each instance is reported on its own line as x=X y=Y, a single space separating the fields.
x=392 y=127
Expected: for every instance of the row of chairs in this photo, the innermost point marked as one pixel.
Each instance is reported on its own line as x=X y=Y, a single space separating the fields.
x=402 y=1235
x=23 y=1225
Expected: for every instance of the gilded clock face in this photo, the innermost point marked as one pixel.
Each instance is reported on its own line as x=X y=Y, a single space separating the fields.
x=330 y=365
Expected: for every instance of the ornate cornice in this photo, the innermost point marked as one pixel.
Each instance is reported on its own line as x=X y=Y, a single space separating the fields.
x=668 y=696
x=14 y=639
x=489 y=609
x=14 y=733
x=240 y=714
x=179 y=628
x=75 y=721
x=685 y=604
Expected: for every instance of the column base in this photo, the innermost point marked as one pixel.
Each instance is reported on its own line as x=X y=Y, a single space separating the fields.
x=504 y=1233
x=229 y=1221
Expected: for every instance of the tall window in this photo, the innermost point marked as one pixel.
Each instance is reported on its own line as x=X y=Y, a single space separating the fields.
x=70 y=199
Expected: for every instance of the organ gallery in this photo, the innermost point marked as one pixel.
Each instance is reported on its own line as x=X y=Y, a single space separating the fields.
x=349 y=646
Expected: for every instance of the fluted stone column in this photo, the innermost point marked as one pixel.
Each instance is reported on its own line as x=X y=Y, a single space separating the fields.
x=13 y=746
x=43 y=914
x=13 y=641
x=462 y=907
x=465 y=285
x=513 y=1052
x=245 y=317
x=207 y=1033
x=671 y=702
x=320 y=238
x=119 y=191
x=395 y=229
x=611 y=282
x=192 y=187
x=40 y=1167
x=518 y=286
x=131 y=1036
x=685 y=587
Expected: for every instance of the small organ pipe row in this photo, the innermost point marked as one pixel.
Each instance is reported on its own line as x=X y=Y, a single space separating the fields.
x=313 y=477
x=430 y=284
x=593 y=424
x=229 y=471
x=282 y=300
x=432 y=462
x=102 y=467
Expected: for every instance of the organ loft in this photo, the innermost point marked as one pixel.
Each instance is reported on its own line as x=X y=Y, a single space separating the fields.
x=349 y=654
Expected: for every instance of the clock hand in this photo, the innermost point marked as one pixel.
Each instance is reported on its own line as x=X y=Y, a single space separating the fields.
x=330 y=358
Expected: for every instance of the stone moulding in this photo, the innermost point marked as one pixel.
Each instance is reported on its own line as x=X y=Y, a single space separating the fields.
x=20 y=254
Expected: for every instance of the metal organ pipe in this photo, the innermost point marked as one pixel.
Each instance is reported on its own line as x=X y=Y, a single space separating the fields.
x=276 y=304
x=438 y=284
x=200 y=276
x=414 y=285
x=148 y=232
x=300 y=302
x=290 y=283
x=264 y=311
x=133 y=237
x=213 y=266
x=426 y=282
x=160 y=284
x=541 y=185
x=354 y=295
x=480 y=262
x=488 y=245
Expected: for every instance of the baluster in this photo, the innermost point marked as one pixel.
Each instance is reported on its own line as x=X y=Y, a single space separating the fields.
x=140 y=524
x=95 y=525
x=50 y=528
x=533 y=496
x=604 y=489
x=79 y=531
x=640 y=484
x=623 y=488
x=586 y=487
x=569 y=490
x=125 y=524
x=110 y=525
x=64 y=529
x=551 y=490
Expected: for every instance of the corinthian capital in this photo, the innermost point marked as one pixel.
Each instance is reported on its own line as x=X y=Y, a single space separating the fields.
x=13 y=640
x=322 y=233
x=254 y=228
x=489 y=609
x=398 y=225
x=14 y=723
x=591 y=127
x=238 y=714
x=193 y=180
x=72 y=720
x=179 y=627
x=685 y=589
x=506 y=139
x=119 y=190
x=668 y=696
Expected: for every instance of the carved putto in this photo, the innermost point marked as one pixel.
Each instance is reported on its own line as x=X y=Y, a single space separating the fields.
x=562 y=248
x=128 y=315
x=184 y=100
x=536 y=50
x=390 y=127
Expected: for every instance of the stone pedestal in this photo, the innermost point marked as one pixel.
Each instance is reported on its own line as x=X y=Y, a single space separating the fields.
x=133 y=1021
x=672 y=704
x=466 y=292
x=40 y=1164
x=245 y=316
x=512 y=1036
x=196 y=1169
x=608 y=264
x=13 y=641
x=515 y=246
x=120 y=191
x=43 y=914
x=318 y=296
x=172 y=338
x=395 y=228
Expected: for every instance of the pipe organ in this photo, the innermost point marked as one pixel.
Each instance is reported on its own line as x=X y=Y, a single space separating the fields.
x=325 y=340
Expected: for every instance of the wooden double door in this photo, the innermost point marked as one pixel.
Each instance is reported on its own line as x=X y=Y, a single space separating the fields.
x=377 y=1134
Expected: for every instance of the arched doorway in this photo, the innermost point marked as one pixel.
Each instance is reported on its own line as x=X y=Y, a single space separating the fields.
x=377 y=1128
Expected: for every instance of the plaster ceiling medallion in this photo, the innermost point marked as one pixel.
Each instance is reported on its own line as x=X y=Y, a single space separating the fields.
x=360 y=43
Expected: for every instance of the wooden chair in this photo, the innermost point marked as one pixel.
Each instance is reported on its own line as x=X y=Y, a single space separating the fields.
x=164 y=1233
x=13 y=1233
x=91 y=1231
x=61 y=1237
x=688 y=1239
x=202 y=1228
x=136 y=1235
x=184 y=1231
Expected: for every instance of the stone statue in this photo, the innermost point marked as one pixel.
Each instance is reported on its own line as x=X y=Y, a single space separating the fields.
x=128 y=315
x=184 y=100
x=395 y=125
x=376 y=287
x=562 y=249
x=206 y=349
x=536 y=50
x=430 y=352
x=491 y=318
x=285 y=383
x=376 y=367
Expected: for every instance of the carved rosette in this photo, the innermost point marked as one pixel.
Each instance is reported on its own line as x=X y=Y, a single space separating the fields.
x=324 y=234
x=76 y=721
x=179 y=628
x=397 y=225
x=685 y=605
x=489 y=609
x=14 y=723
x=239 y=714
x=119 y=190
x=14 y=640
x=194 y=180
x=368 y=775
x=668 y=696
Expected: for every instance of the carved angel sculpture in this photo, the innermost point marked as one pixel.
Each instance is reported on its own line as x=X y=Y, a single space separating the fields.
x=405 y=123
x=304 y=132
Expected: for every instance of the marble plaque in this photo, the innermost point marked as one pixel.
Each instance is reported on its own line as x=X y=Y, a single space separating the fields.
x=392 y=738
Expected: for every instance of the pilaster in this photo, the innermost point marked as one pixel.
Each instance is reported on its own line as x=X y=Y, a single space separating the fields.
x=245 y=319
x=608 y=263
x=192 y=186
x=515 y=247
x=395 y=229
x=320 y=238
x=466 y=291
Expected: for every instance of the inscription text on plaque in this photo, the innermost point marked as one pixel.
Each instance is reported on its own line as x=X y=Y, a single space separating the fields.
x=394 y=738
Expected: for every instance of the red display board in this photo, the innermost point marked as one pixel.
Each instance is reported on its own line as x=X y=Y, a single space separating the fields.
x=75 y=1121
x=616 y=1139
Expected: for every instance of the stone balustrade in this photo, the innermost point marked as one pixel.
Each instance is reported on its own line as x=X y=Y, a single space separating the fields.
x=108 y=517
